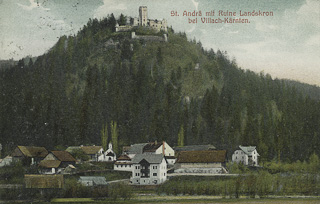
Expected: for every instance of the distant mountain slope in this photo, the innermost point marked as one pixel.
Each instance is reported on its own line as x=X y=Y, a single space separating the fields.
x=150 y=90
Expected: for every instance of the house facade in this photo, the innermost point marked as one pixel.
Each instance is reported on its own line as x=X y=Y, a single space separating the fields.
x=93 y=152
x=6 y=161
x=108 y=155
x=246 y=155
x=29 y=155
x=152 y=148
x=203 y=161
x=56 y=162
x=123 y=163
x=93 y=180
x=149 y=169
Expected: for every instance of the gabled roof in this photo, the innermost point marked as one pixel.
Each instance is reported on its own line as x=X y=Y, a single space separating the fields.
x=97 y=180
x=152 y=146
x=63 y=156
x=136 y=148
x=247 y=149
x=110 y=154
x=150 y=158
x=195 y=148
x=50 y=163
x=206 y=156
x=91 y=149
x=124 y=158
x=31 y=151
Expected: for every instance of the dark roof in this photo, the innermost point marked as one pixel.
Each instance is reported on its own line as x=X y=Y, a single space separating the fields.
x=91 y=149
x=150 y=158
x=110 y=154
x=31 y=151
x=247 y=149
x=194 y=148
x=128 y=162
x=206 y=156
x=124 y=158
x=50 y=163
x=152 y=146
x=63 y=156
x=136 y=148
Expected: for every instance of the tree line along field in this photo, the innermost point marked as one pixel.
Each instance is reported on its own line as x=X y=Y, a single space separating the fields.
x=274 y=180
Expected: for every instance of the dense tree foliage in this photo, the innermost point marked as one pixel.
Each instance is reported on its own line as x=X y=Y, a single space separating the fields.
x=103 y=83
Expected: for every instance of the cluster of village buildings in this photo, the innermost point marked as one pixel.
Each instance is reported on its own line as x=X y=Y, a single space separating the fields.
x=149 y=163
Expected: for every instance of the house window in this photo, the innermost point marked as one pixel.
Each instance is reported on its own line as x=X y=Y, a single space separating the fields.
x=117 y=166
x=125 y=166
x=236 y=152
x=164 y=174
x=121 y=165
x=242 y=157
x=236 y=158
x=154 y=174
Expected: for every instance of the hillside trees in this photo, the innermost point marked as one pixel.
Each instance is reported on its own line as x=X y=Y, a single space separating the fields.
x=151 y=90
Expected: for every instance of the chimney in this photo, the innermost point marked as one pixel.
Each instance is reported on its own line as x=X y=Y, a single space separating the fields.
x=163 y=148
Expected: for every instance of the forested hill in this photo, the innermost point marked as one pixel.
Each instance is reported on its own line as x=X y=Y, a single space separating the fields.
x=145 y=91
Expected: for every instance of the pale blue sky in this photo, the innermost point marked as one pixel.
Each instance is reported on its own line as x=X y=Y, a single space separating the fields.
x=286 y=45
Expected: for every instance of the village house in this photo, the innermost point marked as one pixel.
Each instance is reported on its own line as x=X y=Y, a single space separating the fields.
x=96 y=153
x=123 y=163
x=6 y=161
x=93 y=180
x=151 y=148
x=203 y=161
x=246 y=155
x=29 y=155
x=93 y=152
x=134 y=149
x=56 y=162
x=149 y=169
x=108 y=155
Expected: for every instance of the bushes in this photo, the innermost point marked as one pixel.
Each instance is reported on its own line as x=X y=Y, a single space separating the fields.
x=73 y=189
x=12 y=174
x=260 y=183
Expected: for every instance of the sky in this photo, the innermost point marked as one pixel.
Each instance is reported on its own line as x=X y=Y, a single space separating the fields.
x=284 y=45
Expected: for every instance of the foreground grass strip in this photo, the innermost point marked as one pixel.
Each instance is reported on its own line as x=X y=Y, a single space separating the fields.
x=71 y=200
x=193 y=199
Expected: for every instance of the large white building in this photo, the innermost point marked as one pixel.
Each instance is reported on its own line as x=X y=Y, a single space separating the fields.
x=148 y=169
x=124 y=162
x=247 y=155
x=201 y=161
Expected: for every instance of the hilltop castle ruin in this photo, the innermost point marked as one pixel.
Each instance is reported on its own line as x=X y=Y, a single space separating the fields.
x=142 y=20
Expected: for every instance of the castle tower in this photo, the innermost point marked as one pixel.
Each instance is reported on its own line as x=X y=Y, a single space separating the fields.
x=143 y=16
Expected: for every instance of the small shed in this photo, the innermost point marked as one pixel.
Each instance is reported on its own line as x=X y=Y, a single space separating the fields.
x=93 y=180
